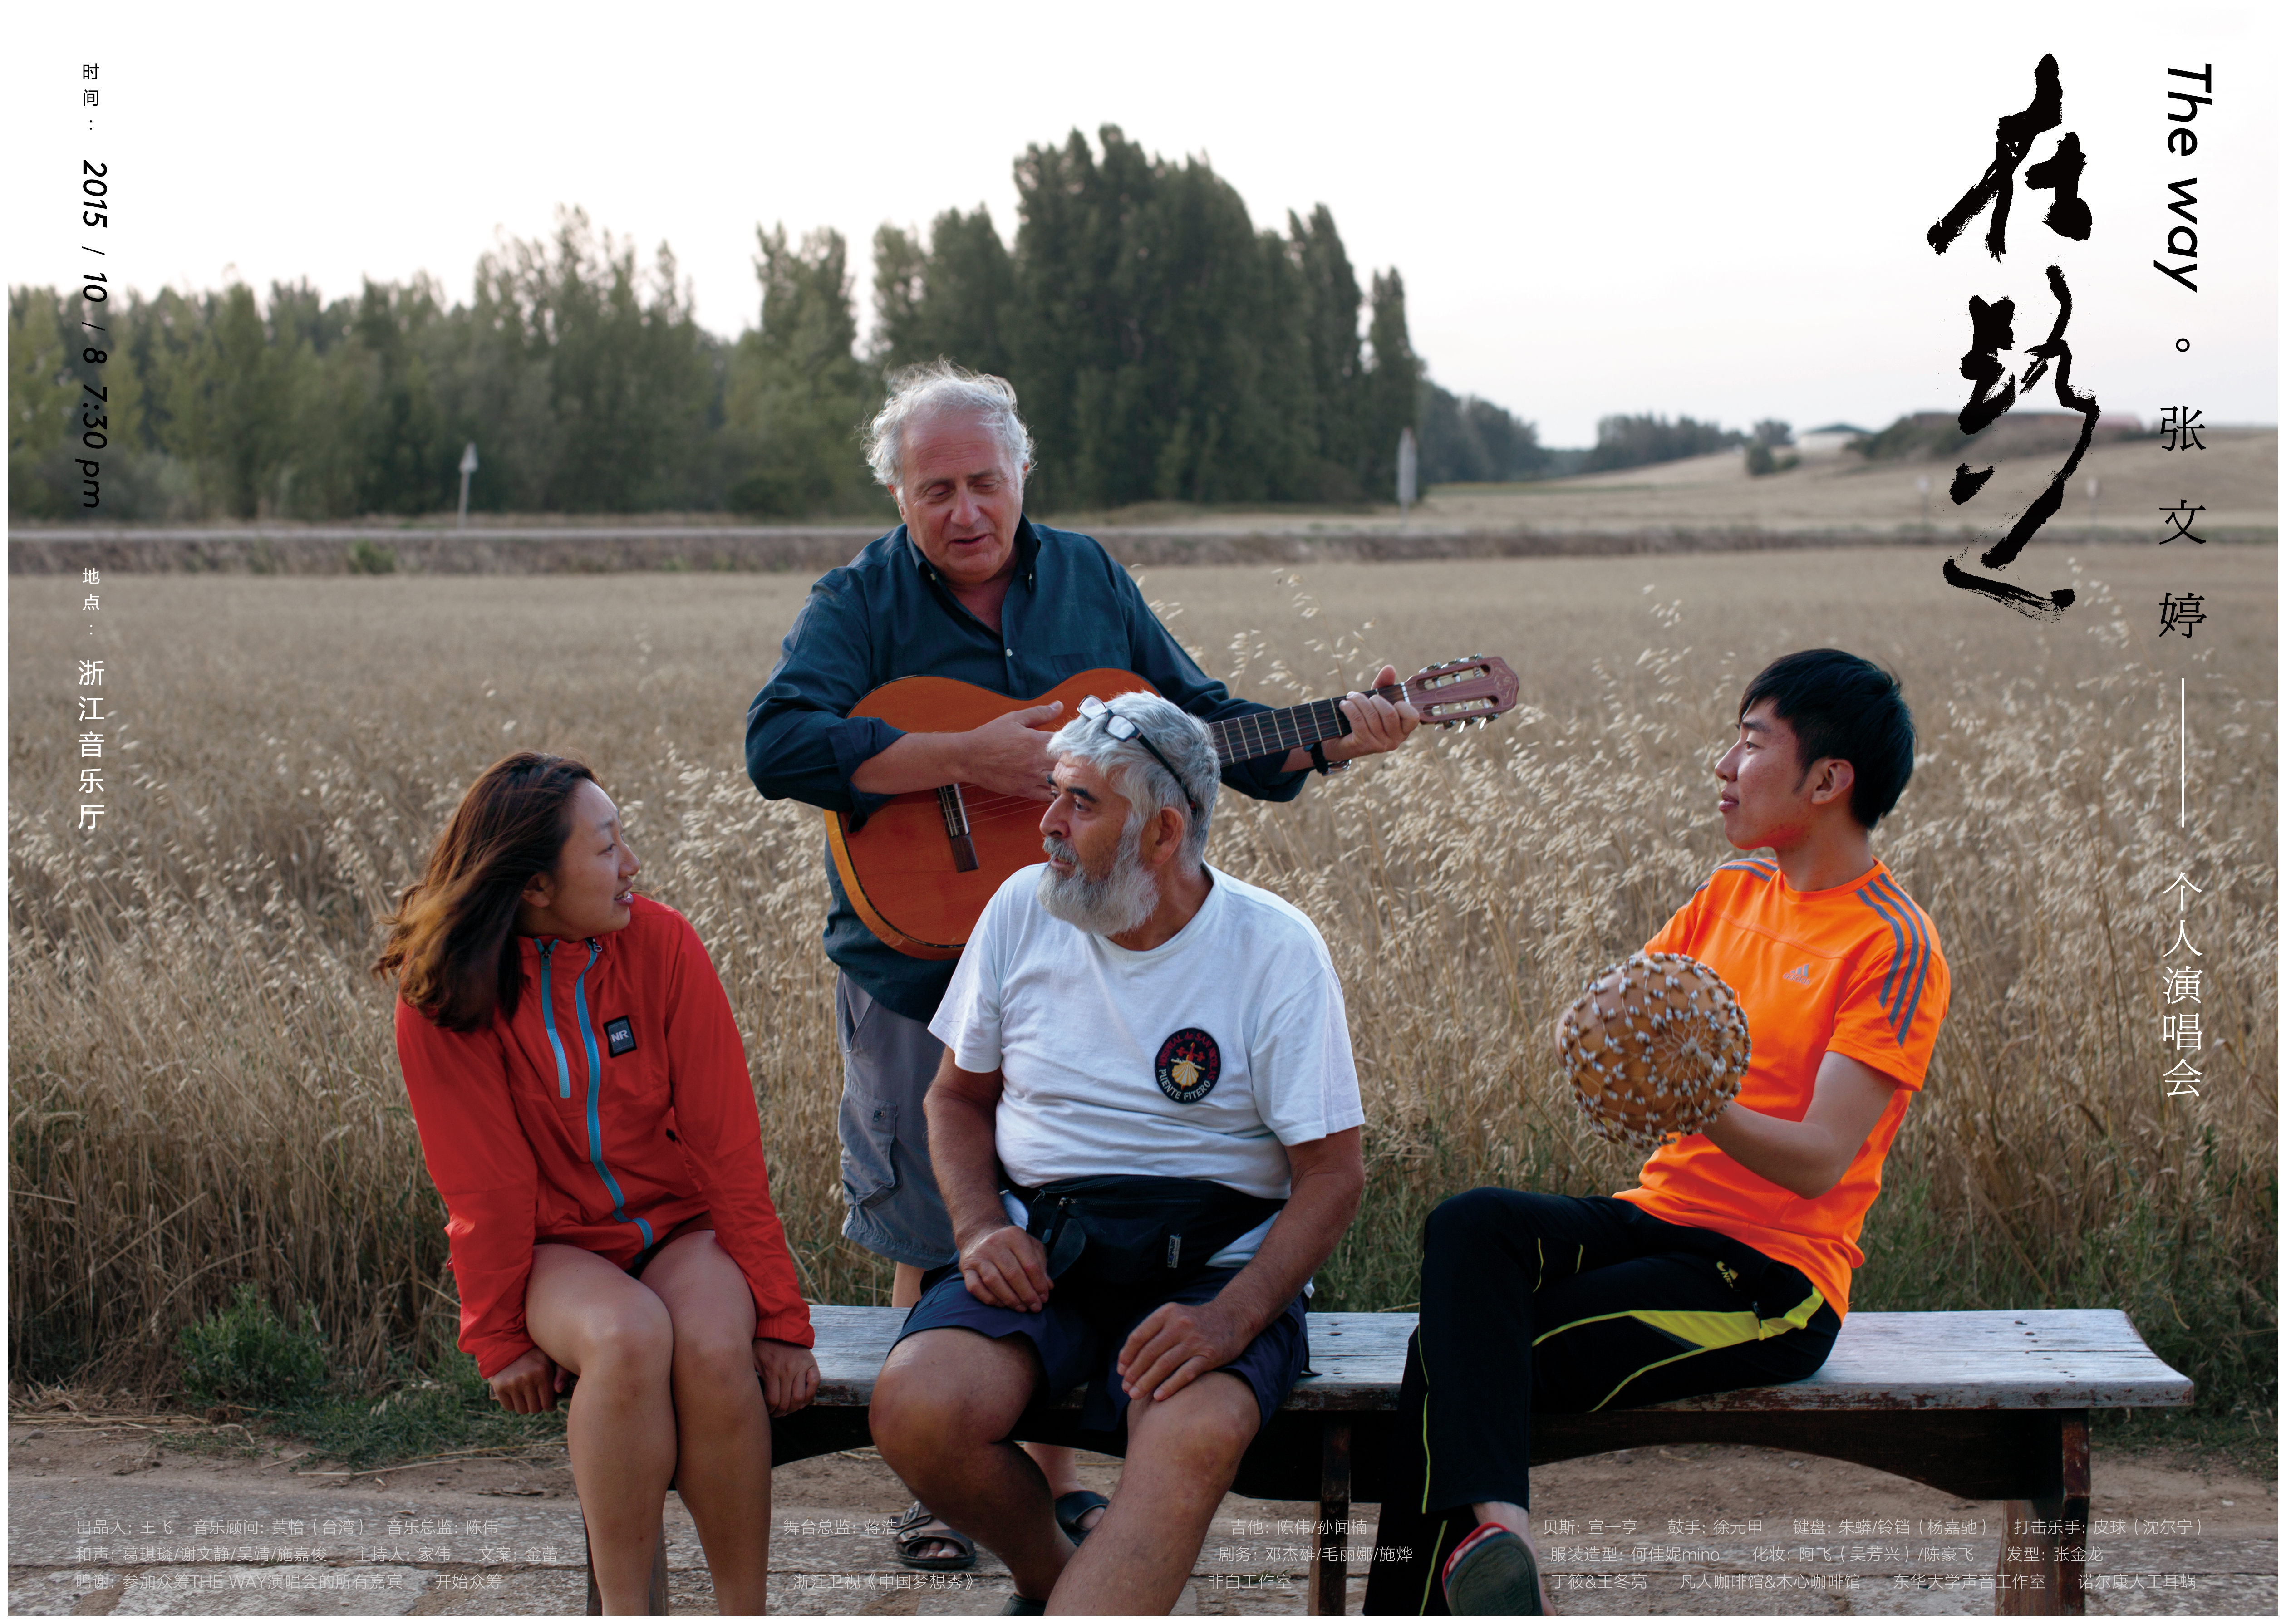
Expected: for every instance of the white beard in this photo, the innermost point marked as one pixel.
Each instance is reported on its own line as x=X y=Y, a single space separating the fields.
x=1110 y=906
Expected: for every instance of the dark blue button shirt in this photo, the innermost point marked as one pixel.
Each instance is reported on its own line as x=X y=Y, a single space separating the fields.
x=887 y=615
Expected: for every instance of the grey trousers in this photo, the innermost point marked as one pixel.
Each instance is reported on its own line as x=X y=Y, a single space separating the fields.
x=886 y=1063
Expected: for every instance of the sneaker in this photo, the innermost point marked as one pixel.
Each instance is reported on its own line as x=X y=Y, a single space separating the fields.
x=1492 y=1571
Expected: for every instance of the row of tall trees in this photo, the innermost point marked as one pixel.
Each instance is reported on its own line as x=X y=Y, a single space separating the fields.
x=583 y=378
x=1162 y=347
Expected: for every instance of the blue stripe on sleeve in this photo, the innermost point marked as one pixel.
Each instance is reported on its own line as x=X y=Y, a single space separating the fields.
x=1909 y=998
x=1899 y=954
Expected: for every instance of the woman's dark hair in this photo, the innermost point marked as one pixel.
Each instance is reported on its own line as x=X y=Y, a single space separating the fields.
x=1846 y=708
x=449 y=940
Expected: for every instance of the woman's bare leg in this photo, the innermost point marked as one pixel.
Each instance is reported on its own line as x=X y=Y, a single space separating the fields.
x=720 y=1421
x=614 y=1334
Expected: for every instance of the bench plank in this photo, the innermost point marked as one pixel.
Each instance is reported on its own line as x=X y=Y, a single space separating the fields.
x=851 y=1344
x=1999 y=1358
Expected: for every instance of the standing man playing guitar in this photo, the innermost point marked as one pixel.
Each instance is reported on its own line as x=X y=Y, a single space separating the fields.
x=966 y=587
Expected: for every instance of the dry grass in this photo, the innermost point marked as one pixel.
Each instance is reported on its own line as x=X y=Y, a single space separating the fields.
x=1831 y=491
x=203 y=1088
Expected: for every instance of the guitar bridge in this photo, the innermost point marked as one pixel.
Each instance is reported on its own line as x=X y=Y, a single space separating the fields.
x=955 y=827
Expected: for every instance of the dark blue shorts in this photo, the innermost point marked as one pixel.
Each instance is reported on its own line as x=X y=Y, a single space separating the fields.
x=1079 y=1335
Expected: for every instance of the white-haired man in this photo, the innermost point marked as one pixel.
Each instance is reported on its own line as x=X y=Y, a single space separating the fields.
x=966 y=587
x=1145 y=1131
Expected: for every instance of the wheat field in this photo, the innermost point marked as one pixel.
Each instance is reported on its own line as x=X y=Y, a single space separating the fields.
x=203 y=1088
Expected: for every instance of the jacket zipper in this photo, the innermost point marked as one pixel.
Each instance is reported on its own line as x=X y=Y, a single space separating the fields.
x=594 y=1072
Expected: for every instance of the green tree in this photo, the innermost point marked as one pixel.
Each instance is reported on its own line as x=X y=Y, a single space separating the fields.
x=147 y=476
x=1162 y=346
x=1626 y=441
x=49 y=410
x=1392 y=385
x=1194 y=390
x=1764 y=444
x=1327 y=306
x=592 y=380
x=159 y=341
x=1464 y=438
x=406 y=455
x=796 y=395
x=328 y=387
x=43 y=393
x=952 y=299
x=230 y=403
x=1069 y=339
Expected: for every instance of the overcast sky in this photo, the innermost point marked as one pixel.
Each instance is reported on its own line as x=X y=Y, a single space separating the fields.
x=1671 y=207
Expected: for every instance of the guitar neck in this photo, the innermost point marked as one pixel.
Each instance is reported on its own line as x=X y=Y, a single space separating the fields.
x=1260 y=733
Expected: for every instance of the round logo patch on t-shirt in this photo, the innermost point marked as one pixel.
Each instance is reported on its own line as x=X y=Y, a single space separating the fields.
x=1190 y=1064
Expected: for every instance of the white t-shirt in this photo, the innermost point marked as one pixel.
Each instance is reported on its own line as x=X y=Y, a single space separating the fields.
x=1202 y=1058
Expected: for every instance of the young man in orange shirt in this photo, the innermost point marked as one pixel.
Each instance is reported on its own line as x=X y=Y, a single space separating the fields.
x=1727 y=1265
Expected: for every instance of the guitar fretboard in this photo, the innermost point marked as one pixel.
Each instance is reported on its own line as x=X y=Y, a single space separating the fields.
x=1259 y=733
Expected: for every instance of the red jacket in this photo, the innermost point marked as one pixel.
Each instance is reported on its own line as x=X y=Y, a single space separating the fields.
x=525 y=1144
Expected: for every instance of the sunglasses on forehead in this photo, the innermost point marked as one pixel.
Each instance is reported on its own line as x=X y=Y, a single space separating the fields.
x=1123 y=728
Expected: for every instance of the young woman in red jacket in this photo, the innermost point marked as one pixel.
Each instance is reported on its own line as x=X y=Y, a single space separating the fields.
x=586 y=1112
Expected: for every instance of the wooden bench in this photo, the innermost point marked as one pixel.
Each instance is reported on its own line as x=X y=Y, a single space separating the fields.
x=1990 y=1405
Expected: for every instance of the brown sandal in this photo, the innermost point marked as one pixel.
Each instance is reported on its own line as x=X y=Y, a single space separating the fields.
x=913 y=1531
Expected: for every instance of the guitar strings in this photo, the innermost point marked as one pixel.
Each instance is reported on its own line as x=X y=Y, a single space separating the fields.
x=1287 y=732
x=987 y=806
x=982 y=804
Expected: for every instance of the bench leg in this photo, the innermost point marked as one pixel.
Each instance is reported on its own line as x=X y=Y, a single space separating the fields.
x=2048 y=1536
x=1329 y=1561
x=655 y=1602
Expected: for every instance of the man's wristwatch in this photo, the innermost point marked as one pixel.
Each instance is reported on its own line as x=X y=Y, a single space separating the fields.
x=1318 y=755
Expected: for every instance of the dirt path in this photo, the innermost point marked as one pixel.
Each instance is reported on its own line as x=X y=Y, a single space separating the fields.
x=110 y=1521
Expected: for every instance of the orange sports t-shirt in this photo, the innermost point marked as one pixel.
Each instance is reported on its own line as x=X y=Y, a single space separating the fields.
x=1856 y=970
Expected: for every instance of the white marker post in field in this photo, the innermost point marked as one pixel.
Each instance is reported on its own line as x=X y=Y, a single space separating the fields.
x=1408 y=476
x=468 y=467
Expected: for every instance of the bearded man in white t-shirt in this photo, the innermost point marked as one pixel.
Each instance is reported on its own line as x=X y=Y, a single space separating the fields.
x=1146 y=1130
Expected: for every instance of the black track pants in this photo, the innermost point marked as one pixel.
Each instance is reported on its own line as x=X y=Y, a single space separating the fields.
x=1564 y=1304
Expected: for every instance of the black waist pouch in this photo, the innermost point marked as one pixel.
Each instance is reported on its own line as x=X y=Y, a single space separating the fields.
x=1116 y=1230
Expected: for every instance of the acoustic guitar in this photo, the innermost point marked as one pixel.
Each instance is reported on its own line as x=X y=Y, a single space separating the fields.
x=919 y=869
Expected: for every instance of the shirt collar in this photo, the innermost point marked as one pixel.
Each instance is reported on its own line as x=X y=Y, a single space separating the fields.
x=1028 y=553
